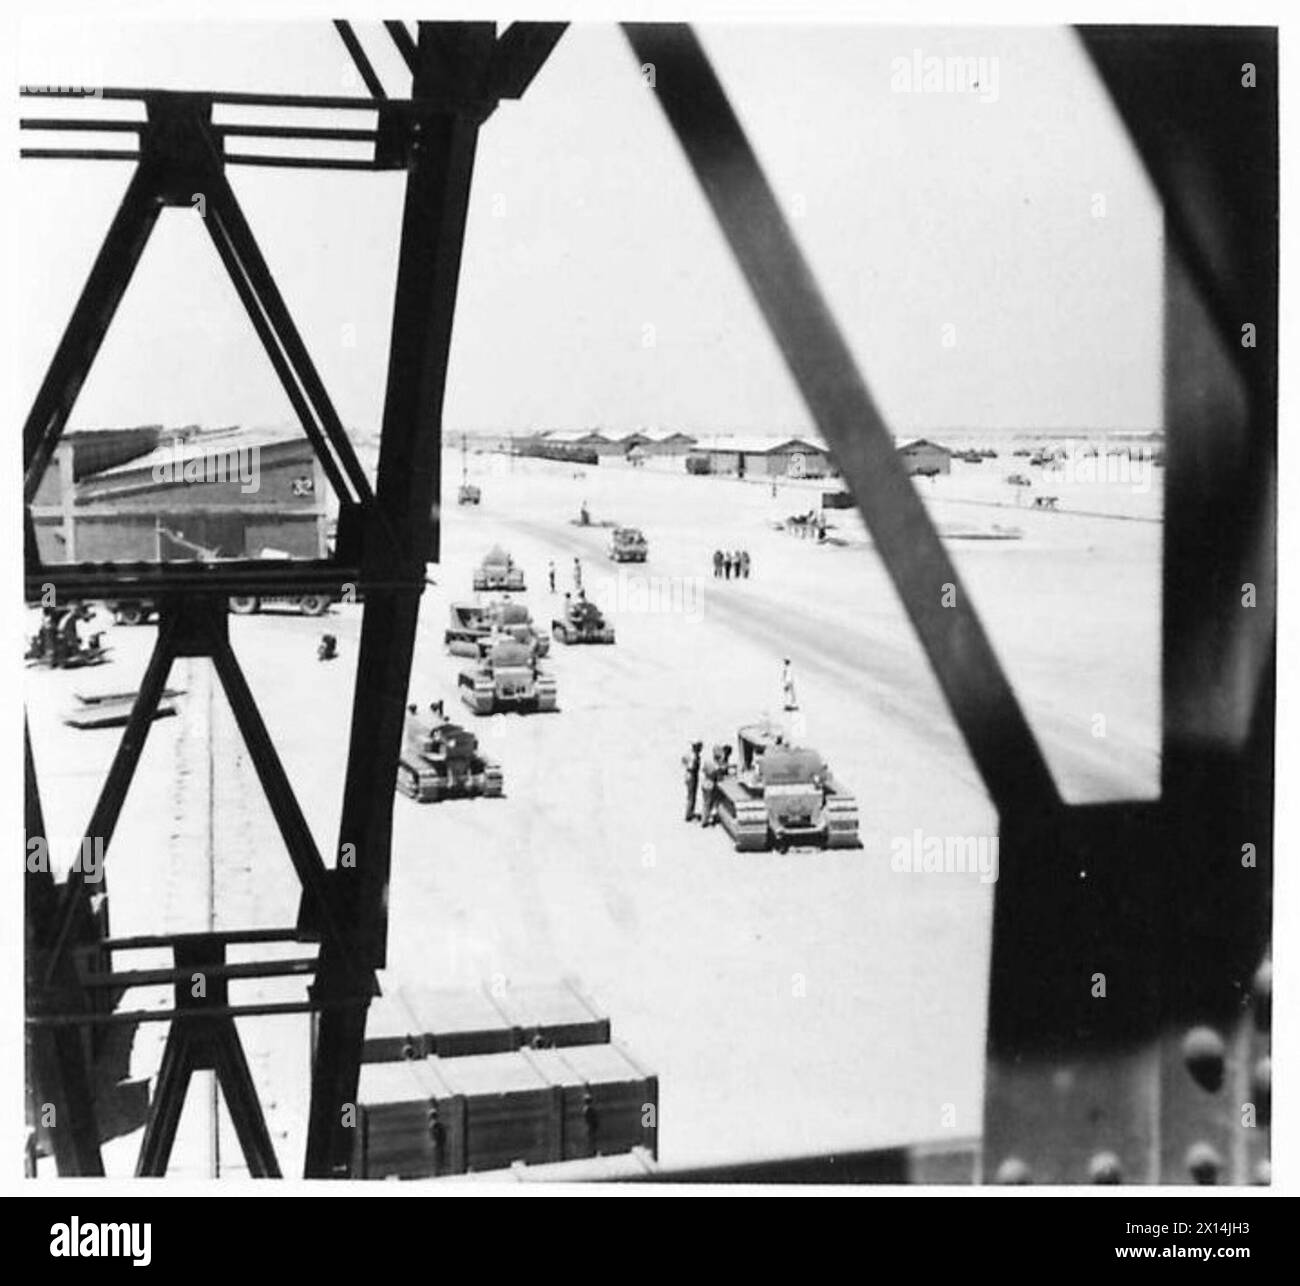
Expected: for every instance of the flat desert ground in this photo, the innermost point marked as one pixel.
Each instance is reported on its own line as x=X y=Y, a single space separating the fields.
x=789 y=1003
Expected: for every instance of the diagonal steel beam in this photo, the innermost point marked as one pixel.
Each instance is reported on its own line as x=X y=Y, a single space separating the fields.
x=228 y=221
x=358 y=55
x=1214 y=191
x=521 y=50
x=405 y=43
x=108 y=808
x=275 y=352
x=109 y=277
x=981 y=699
x=293 y=827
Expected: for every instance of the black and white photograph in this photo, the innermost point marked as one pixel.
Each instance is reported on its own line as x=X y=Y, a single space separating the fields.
x=631 y=602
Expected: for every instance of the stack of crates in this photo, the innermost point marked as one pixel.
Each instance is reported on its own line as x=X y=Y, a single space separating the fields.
x=462 y=1082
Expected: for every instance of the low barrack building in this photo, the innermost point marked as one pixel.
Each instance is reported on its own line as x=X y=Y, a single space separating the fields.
x=227 y=494
x=923 y=457
x=750 y=455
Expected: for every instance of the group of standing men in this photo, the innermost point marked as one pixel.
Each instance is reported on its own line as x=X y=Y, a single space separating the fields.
x=577 y=575
x=726 y=565
x=704 y=806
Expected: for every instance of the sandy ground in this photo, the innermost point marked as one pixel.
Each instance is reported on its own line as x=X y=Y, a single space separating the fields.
x=790 y=1003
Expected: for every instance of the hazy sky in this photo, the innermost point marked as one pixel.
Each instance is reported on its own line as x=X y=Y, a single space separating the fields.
x=595 y=288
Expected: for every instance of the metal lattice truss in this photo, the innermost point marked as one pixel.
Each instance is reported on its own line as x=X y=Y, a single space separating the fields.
x=1150 y=894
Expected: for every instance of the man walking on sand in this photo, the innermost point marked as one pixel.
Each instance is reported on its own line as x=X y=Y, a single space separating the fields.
x=550 y=572
x=787 y=686
x=577 y=573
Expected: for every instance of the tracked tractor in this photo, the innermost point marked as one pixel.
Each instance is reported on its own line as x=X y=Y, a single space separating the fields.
x=784 y=796
x=515 y=621
x=468 y=631
x=473 y=626
x=498 y=571
x=506 y=677
x=441 y=760
x=582 y=622
x=628 y=545
x=58 y=646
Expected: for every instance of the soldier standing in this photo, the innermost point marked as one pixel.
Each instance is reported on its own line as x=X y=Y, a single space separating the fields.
x=744 y=564
x=787 y=685
x=691 y=763
x=717 y=563
x=65 y=638
x=577 y=573
x=550 y=573
x=713 y=774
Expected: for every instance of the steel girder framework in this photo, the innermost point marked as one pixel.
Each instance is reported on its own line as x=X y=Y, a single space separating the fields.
x=1150 y=1085
x=1166 y=1078
x=459 y=72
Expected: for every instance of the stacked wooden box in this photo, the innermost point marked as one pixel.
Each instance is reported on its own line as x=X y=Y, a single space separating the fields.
x=456 y=1082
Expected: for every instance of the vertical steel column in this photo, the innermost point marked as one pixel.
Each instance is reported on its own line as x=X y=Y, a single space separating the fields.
x=60 y=1093
x=1128 y=939
x=450 y=64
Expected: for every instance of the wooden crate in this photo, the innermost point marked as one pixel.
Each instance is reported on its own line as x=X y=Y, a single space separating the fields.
x=440 y=1116
x=610 y=1104
x=553 y=1016
x=509 y=1110
x=426 y=1117
x=415 y=1022
x=404 y=1127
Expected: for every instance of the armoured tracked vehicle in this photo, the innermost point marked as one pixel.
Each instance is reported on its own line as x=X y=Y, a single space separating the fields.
x=582 y=622
x=498 y=571
x=441 y=760
x=468 y=494
x=506 y=677
x=782 y=796
x=474 y=625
